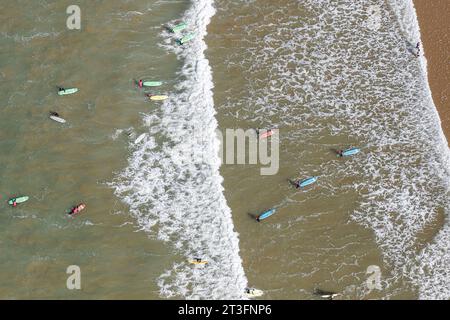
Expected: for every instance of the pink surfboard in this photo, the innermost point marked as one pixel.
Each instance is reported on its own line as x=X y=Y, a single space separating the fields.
x=266 y=134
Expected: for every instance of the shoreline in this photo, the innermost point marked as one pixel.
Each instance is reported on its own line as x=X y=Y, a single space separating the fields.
x=434 y=26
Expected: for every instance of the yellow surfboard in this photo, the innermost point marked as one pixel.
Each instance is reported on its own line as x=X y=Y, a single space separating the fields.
x=157 y=98
x=198 y=261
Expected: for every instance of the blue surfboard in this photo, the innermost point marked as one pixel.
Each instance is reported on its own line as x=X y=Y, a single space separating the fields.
x=266 y=214
x=350 y=152
x=307 y=182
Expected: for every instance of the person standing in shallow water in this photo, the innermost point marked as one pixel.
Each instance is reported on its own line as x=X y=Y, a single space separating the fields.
x=140 y=83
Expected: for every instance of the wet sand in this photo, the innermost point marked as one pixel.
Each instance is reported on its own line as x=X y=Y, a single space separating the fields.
x=434 y=29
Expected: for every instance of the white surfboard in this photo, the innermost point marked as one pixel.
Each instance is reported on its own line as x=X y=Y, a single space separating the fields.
x=252 y=292
x=140 y=138
x=58 y=119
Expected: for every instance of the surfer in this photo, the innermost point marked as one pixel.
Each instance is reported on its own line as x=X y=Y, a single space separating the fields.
x=77 y=209
x=140 y=83
x=297 y=183
x=61 y=89
x=340 y=153
x=197 y=261
x=14 y=204
x=55 y=114
x=417 y=54
x=265 y=133
x=326 y=294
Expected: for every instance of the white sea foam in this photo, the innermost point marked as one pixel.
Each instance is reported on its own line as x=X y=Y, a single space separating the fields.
x=179 y=198
x=25 y=39
x=431 y=273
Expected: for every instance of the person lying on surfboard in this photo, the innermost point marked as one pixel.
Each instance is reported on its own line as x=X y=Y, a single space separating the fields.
x=265 y=134
x=77 y=209
x=17 y=200
x=326 y=294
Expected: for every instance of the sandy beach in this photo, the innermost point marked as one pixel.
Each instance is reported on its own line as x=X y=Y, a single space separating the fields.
x=434 y=29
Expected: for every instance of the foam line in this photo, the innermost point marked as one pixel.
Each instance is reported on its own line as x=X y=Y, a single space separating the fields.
x=173 y=184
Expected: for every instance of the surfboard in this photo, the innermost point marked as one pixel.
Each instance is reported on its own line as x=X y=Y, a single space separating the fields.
x=198 y=262
x=67 y=91
x=186 y=38
x=140 y=138
x=18 y=199
x=158 y=98
x=266 y=214
x=326 y=294
x=252 y=292
x=58 y=119
x=80 y=208
x=178 y=27
x=307 y=182
x=266 y=134
x=350 y=152
x=329 y=296
x=152 y=83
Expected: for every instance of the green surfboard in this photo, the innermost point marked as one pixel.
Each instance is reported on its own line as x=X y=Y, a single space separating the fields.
x=18 y=200
x=67 y=91
x=178 y=27
x=186 y=38
x=152 y=83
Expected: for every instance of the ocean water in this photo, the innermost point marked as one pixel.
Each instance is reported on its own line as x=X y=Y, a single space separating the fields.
x=328 y=74
x=173 y=183
x=59 y=166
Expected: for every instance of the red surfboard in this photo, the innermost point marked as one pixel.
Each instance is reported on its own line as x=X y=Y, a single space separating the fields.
x=77 y=209
x=266 y=134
